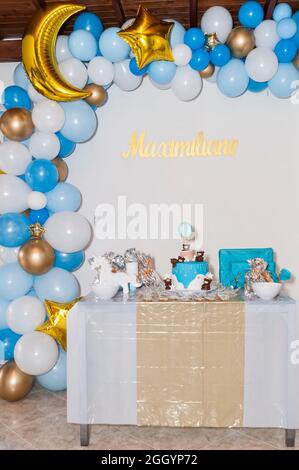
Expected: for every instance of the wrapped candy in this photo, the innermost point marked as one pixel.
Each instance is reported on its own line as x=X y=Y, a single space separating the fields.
x=258 y=273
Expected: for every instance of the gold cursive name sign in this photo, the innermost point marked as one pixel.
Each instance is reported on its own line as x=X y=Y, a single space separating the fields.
x=140 y=146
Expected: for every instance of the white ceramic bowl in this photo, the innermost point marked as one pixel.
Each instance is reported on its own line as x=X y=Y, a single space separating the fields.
x=105 y=291
x=266 y=290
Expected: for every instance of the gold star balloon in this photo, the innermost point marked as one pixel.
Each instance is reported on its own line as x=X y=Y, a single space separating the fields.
x=148 y=38
x=56 y=324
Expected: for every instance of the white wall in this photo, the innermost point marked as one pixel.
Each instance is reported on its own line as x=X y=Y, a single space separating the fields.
x=249 y=201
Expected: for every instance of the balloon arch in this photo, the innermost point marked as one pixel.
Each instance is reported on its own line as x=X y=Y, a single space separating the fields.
x=42 y=237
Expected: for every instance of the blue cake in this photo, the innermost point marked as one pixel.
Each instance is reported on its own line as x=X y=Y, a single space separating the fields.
x=185 y=272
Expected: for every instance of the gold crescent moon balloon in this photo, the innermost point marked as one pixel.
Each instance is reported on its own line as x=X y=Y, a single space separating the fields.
x=38 y=53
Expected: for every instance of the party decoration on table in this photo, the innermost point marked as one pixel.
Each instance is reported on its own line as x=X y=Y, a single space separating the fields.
x=16 y=124
x=259 y=273
x=56 y=324
x=14 y=383
x=37 y=255
x=148 y=38
x=38 y=53
x=240 y=41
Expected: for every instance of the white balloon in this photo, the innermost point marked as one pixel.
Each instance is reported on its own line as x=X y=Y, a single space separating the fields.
x=164 y=86
x=13 y=194
x=36 y=200
x=43 y=145
x=261 y=64
x=266 y=34
x=100 y=71
x=67 y=231
x=62 y=49
x=124 y=78
x=9 y=255
x=14 y=158
x=182 y=54
x=25 y=314
x=186 y=84
x=36 y=353
x=74 y=71
x=48 y=116
x=217 y=20
x=34 y=95
x=128 y=23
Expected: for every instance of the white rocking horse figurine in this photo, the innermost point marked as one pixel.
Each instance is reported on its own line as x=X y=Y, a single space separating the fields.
x=108 y=277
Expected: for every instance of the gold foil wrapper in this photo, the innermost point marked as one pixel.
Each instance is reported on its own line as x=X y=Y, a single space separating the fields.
x=190 y=363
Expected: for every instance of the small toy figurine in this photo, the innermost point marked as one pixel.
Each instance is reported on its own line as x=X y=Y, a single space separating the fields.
x=174 y=262
x=181 y=259
x=199 y=256
x=206 y=284
x=168 y=283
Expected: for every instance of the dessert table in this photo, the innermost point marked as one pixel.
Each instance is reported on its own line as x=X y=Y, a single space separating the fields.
x=188 y=363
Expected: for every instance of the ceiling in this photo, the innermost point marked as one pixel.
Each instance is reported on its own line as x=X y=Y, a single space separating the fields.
x=15 y=14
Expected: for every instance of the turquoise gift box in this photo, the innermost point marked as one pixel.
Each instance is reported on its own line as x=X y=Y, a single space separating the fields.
x=233 y=264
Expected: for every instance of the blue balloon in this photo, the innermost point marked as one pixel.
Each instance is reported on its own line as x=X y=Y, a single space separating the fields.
x=20 y=78
x=281 y=11
x=256 y=87
x=8 y=340
x=40 y=216
x=91 y=23
x=296 y=16
x=200 y=59
x=14 y=281
x=69 y=261
x=41 y=175
x=177 y=33
x=58 y=285
x=283 y=84
x=82 y=45
x=14 y=229
x=64 y=197
x=194 y=38
x=80 y=121
x=162 y=71
x=55 y=380
x=232 y=78
x=287 y=28
x=32 y=293
x=16 y=97
x=251 y=14
x=67 y=147
x=220 y=55
x=285 y=50
x=3 y=307
x=112 y=46
x=135 y=69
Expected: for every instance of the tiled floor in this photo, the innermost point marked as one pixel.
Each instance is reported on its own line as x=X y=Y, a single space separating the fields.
x=39 y=422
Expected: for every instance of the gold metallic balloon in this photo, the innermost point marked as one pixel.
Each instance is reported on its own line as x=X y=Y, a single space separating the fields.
x=36 y=256
x=16 y=124
x=62 y=168
x=14 y=383
x=148 y=38
x=296 y=61
x=38 y=52
x=208 y=71
x=56 y=324
x=241 y=41
x=98 y=95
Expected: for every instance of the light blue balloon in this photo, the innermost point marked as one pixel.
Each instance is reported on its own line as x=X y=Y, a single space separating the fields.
x=64 y=197
x=112 y=46
x=80 y=121
x=3 y=307
x=55 y=380
x=58 y=285
x=177 y=33
x=20 y=78
x=14 y=281
x=283 y=84
x=232 y=78
x=287 y=28
x=82 y=45
x=162 y=71
x=281 y=11
x=32 y=293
